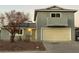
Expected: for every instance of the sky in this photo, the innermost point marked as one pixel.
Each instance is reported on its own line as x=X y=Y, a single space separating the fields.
x=30 y=9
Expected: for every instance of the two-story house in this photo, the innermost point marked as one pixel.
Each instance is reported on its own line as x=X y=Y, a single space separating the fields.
x=55 y=24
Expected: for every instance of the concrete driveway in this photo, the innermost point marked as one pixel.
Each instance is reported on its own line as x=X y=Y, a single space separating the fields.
x=62 y=47
x=65 y=47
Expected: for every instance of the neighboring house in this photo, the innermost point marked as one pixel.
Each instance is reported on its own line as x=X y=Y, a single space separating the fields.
x=27 y=31
x=55 y=24
x=77 y=33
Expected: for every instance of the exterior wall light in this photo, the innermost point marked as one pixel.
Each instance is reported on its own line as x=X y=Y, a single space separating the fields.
x=30 y=30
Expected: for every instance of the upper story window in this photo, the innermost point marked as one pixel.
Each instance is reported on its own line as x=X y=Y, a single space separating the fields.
x=55 y=15
x=52 y=15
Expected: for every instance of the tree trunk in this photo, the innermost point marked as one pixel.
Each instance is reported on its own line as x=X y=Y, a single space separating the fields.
x=20 y=39
x=12 y=37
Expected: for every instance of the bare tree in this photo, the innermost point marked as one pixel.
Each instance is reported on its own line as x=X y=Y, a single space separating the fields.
x=14 y=20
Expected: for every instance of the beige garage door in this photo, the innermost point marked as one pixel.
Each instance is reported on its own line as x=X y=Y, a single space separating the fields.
x=56 y=34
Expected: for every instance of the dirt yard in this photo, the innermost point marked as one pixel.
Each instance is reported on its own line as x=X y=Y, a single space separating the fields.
x=21 y=46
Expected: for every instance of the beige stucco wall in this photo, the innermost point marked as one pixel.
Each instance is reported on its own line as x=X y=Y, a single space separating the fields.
x=56 y=34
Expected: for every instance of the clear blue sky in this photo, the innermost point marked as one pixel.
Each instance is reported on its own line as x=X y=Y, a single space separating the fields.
x=30 y=9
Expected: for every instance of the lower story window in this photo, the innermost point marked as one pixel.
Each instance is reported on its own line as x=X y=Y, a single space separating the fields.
x=19 y=32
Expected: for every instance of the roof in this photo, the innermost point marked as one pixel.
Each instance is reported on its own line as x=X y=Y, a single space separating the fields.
x=26 y=25
x=56 y=8
x=53 y=9
x=30 y=25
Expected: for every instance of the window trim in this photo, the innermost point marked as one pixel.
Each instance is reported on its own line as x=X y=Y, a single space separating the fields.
x=55 y=13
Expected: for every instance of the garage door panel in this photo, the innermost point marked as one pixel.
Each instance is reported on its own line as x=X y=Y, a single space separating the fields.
x=56 y=34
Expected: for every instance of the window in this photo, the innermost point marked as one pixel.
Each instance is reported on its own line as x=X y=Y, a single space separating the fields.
x=19 y=31
x=55 y=15
x=52 y=15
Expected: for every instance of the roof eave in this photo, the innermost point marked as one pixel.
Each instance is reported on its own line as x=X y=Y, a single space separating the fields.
x=55 y=10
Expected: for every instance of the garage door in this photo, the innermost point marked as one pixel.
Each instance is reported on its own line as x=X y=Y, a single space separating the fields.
x=56 y=34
